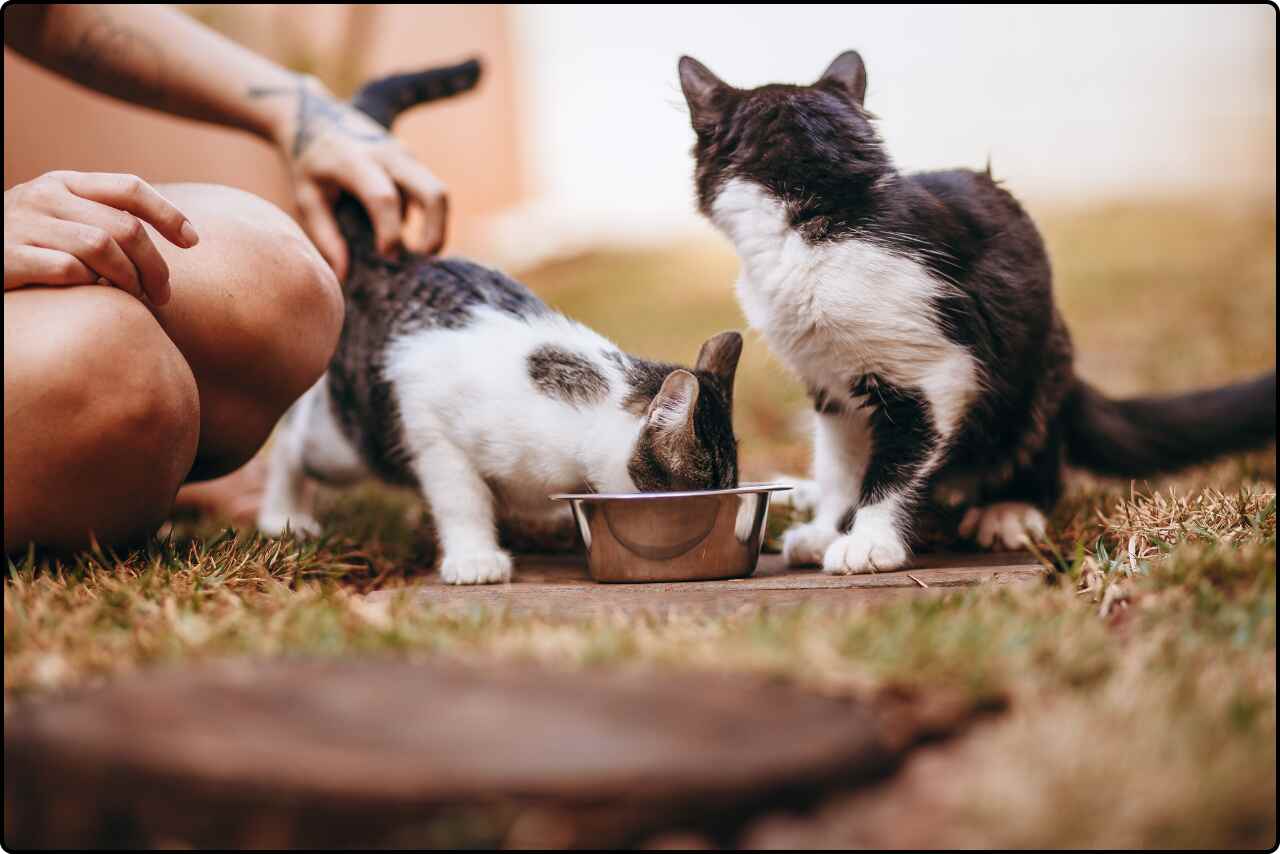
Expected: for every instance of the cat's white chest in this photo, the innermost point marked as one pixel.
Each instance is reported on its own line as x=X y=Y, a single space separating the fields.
x=834 y=311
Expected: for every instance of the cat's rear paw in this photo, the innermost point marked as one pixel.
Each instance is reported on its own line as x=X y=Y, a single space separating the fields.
x=805 y=544
x=476 y=568
x=865 y=550
x=274 y=523
x=1006 y=525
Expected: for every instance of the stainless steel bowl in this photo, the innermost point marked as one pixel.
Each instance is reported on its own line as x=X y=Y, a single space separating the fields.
x=673 y=536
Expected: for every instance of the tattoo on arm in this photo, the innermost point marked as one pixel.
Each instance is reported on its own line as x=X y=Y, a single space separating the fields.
x=315 y=114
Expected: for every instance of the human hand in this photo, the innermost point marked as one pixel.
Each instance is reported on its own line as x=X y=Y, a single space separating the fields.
x=81 y=228
x=330 y=146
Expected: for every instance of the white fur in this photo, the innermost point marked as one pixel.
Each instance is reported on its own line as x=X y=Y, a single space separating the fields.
x=873 y=544
x=484 y=441
x=831 y=312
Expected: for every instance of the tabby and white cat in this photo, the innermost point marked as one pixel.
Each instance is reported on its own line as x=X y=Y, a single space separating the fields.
x=918 y=309
x=456 y=379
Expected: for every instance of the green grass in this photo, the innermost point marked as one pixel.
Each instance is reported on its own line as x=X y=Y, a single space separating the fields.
x=1141 y=676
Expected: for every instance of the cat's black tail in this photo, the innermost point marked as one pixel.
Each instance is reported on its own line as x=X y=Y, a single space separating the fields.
x=383 y=100
x=1146 y=435
x=387 y=97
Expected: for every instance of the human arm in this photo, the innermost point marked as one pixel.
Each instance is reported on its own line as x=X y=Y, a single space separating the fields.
x=160 y=58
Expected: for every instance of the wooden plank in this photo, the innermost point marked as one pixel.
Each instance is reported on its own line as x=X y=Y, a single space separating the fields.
x=378 y=752
x=559 y=585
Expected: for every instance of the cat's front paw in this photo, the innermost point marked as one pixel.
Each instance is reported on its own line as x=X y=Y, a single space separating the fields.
x=490 y=567
x=274 y=523
x=865 y=550
x=805 y=544
x=1005 y=525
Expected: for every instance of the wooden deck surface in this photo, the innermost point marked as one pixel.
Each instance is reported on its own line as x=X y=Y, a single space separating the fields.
x=559 y=585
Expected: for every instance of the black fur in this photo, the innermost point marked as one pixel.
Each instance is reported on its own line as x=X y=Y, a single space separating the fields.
x=815 y=149
x=384 y=99
x=902 y=434
x=1146 y=434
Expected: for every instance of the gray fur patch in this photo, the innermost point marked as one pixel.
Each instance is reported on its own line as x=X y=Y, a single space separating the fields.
x=570 y=377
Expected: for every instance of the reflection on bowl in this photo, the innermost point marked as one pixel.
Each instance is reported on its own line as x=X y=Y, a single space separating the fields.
x=673 y=536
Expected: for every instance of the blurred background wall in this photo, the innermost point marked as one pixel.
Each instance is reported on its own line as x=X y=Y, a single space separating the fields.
x=579 y=134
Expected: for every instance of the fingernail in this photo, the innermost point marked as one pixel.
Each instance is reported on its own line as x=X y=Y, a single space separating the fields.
x=189 y=235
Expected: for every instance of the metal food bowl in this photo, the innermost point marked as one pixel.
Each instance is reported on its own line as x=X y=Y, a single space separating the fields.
x=673 y=536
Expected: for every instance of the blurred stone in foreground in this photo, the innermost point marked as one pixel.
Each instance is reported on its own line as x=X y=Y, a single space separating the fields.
x=377 y=752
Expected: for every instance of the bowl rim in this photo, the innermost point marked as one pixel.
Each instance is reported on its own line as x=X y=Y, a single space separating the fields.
x=641 y=496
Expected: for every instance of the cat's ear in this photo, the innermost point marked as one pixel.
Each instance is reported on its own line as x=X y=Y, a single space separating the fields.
x=719 y=356
x=672 y=408
x=702 y=89
x=849 y=73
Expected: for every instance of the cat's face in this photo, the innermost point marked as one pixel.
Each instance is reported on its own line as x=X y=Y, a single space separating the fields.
x=687 y=440
x=797 y=142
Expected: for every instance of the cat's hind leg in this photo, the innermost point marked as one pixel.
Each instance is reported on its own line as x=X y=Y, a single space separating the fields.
x=308 y=444
x=462 y=507
x=1005 y=525
x=1012 y=515
x=285 y=499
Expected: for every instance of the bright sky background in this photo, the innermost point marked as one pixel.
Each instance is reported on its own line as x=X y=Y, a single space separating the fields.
x=1071 y=103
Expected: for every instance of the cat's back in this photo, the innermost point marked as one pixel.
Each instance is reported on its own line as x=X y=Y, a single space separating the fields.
x=387 y=301
x=422 y=293
x=972 y=200
x=980 y=237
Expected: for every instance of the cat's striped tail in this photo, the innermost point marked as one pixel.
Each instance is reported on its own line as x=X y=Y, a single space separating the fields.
x=1146 y=435
x=387 y=97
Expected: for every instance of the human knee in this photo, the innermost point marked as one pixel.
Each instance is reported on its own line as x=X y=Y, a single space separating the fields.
x=291 y=305
x=128 y=389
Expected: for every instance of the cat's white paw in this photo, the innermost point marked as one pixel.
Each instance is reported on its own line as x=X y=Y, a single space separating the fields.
x=802 y=497
x=273 y=523
x=1005 y=525
x=865 y=549
x=493 y=567
x=804 y=545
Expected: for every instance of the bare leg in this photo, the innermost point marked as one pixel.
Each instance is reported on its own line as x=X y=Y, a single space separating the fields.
x=109 y=406
x=101 y=418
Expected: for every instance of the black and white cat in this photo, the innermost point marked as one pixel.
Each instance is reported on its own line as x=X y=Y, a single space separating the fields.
x=918 y=310
x=457 y=379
